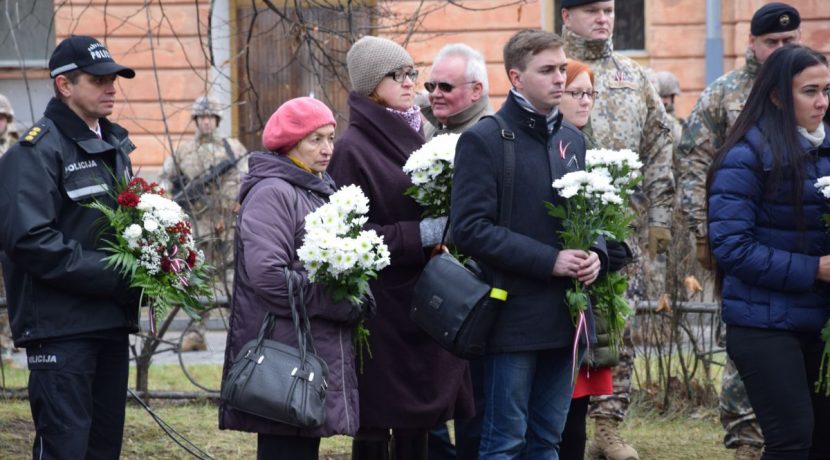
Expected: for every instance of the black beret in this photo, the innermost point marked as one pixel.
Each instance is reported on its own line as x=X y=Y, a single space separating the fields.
x=573 y=3
x=774 y=17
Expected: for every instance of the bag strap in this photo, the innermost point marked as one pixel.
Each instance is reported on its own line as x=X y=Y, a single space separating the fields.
x=506 y=193
x=508 y=176
x=305 y=324
x=508 y=173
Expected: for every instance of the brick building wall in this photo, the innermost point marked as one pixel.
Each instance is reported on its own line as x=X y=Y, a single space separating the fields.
x=164 y=42
x=677 y=33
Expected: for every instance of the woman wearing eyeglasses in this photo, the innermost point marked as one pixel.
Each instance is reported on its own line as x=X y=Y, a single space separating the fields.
x=595 y=376
x=410 y=384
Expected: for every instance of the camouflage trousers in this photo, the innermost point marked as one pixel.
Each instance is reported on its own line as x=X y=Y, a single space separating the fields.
x=736 y=414
x=646 y=280
x=219 y=254
x=615 y=405
x=6 y=343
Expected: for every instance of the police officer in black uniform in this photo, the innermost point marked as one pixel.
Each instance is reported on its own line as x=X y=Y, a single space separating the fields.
x=71 y=313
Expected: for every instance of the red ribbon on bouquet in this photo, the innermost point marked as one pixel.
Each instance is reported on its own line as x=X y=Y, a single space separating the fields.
x=152 y=321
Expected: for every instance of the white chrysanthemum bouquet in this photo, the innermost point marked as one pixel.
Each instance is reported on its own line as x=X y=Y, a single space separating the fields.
x=430 y=169
x=823 y=382
x=339 y=254
x=596 y=204
x=154 y=247
x=608 y=293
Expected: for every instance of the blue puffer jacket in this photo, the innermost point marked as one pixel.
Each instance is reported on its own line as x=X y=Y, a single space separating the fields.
x=769 y=264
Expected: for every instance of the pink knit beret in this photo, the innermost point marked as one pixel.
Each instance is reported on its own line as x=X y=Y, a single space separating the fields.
x=294 y=120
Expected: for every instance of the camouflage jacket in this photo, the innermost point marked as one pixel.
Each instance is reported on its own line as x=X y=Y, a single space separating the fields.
x=195 y=157
x=677 y=125
x=628 y=114
x=714 y=114
x=6 y=142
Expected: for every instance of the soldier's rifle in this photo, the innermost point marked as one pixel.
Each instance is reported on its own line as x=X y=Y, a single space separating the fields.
x=189 y=193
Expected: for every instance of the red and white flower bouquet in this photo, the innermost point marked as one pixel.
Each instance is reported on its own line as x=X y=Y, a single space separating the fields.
x=155 y=250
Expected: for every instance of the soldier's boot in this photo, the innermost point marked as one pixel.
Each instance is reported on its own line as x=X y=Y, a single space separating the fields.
x=608 y=444
x=747 y=452
x=193 y=341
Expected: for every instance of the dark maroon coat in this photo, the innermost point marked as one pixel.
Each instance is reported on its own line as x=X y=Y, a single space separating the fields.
x=276 y=196
x=410 y=382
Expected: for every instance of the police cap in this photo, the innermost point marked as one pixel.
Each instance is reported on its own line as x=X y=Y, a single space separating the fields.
x=774 y=17
x=80 y=52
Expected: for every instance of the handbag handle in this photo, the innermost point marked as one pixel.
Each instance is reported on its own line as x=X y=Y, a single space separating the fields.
x=299 y=315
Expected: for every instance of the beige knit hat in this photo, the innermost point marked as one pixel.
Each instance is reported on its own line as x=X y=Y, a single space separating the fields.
x=371 y=58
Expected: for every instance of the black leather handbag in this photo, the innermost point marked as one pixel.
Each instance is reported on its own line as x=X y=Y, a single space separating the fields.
x=276 y=381
x=451 y=302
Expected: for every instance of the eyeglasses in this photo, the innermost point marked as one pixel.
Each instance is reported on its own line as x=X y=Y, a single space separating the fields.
x=443 y=86
x=579 y=95
x=400 y=75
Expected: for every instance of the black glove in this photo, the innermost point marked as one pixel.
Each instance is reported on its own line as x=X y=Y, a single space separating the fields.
x=370 y=308
x=619 y=255
x=364 y=310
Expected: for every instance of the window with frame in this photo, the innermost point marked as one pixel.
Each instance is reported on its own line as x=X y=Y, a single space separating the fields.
x=27 y=33
x=629 y=24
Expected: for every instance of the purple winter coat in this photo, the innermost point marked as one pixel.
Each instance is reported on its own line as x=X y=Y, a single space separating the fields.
x=276 y=195
x=410 y=382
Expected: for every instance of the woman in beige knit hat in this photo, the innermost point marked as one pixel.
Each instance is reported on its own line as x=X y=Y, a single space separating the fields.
x=410 y=384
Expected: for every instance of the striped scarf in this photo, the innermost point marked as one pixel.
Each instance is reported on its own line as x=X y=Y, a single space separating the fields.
x=550 y=118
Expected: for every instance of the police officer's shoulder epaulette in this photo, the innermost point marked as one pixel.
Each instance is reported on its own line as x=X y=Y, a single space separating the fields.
x=34 y=134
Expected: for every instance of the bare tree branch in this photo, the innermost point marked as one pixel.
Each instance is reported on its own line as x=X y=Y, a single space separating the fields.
x=17 y=51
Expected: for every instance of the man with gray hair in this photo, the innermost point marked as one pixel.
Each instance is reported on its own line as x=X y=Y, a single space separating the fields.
x=458 y=90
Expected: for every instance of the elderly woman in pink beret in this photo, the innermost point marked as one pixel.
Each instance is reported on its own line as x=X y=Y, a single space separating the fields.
x=282 y=186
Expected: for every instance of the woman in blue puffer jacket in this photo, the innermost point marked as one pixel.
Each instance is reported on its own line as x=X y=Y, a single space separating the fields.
x=771 y=246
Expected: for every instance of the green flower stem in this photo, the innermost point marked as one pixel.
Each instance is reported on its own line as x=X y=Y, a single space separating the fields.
x=361 y=343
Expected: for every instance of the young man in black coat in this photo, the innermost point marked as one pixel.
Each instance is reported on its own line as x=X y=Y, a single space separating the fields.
x=529 y=360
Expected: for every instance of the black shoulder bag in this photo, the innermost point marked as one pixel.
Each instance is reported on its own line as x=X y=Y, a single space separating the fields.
x=276 y=381
x=451 y=302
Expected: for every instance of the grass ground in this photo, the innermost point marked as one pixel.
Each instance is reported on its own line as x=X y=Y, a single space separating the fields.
x=683 y=436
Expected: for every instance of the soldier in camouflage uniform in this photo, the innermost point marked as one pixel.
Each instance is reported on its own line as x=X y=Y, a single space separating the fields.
x=627 y=114
x=8 y=136
x=7 y=139
x=668 y=87
x=773 y=26
x=212 y=207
